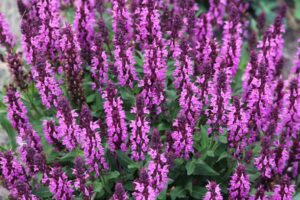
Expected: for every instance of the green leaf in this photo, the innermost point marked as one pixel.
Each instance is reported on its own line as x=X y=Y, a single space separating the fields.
x=43 y=192
x=204 y=169
x=198 y=192
x=223 y=139
x=162 y=195
x=5 y=124
x=124 y=159
x=223 y=155
x=190 y=167
x=113 y=175
x=178 y=192
x=69 y=156
x=297 y=9
x=90 y=98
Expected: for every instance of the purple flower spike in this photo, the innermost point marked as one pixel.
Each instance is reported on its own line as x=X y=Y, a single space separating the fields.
x=6 y=37
x=81 y=178
x=213 y=191
x=190 y=103
x=182 y=137
x=216 y=11
x=183 y=64
x=21 y=190
x=142 y=187
x=237 y=127
x=260 y=194
x=51 y=134
x=232 y=40
x=71 y=64
x=158 y=167
x=115 y=119
x=239 y=184
x=91 y=145
x=67 y=129
x=221 y=93
x=148 y=23
x=155 y=53
x=47 y=40
x=140 y=129
x=206 y=56
x=123 y=50
x=17 y=112
x=120 y=193
x=153 y=83
x=44 y=77
x=59 y=185
x=14 y=177
x=28 y=140
x=265 y=163
x=99 y=65
x=285 y=190
x=84 y=26
x=17 y=69
x=30 y=23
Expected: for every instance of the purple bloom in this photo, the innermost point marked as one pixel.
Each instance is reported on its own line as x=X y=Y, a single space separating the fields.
x=143 y=188
x=232 y=41
x=140 y=129
x=45 y=82
x=183 y=64
x=206 y=56
x=285 y=190
x=99 y=65
x=51 y=134
x=17 y=69
x=28 y=140
x=249 y=75
x=67 y=130
x=216 y=11
x=158 y=167
x=84 y=26
x=14 y=176
x=30 y=23
x=182 y=137
x=239 y=184
x=71 y=64
x=237 y=127
x=120 y=193
x=221 y=93
x=155 y=53
x=47 y=39
x=115 y=119
x=91 y=145
x=153 y=84
x=190 y=103
x=260 y=194
x=148 y=23
x=81 y=178
x=204 y=30
x=282 y=153
x=265 y=163
x=123 y=50
x=213 y=191
x=6 y=37
x=59 y=185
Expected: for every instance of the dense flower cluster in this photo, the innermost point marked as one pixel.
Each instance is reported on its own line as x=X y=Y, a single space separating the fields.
x=140 y=129
x=120 y=193
x=115 y=119
x=91 y=142
x=213 y=192
x=149 y=99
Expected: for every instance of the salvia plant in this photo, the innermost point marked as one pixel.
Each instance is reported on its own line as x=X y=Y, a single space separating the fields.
x=149 y=99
